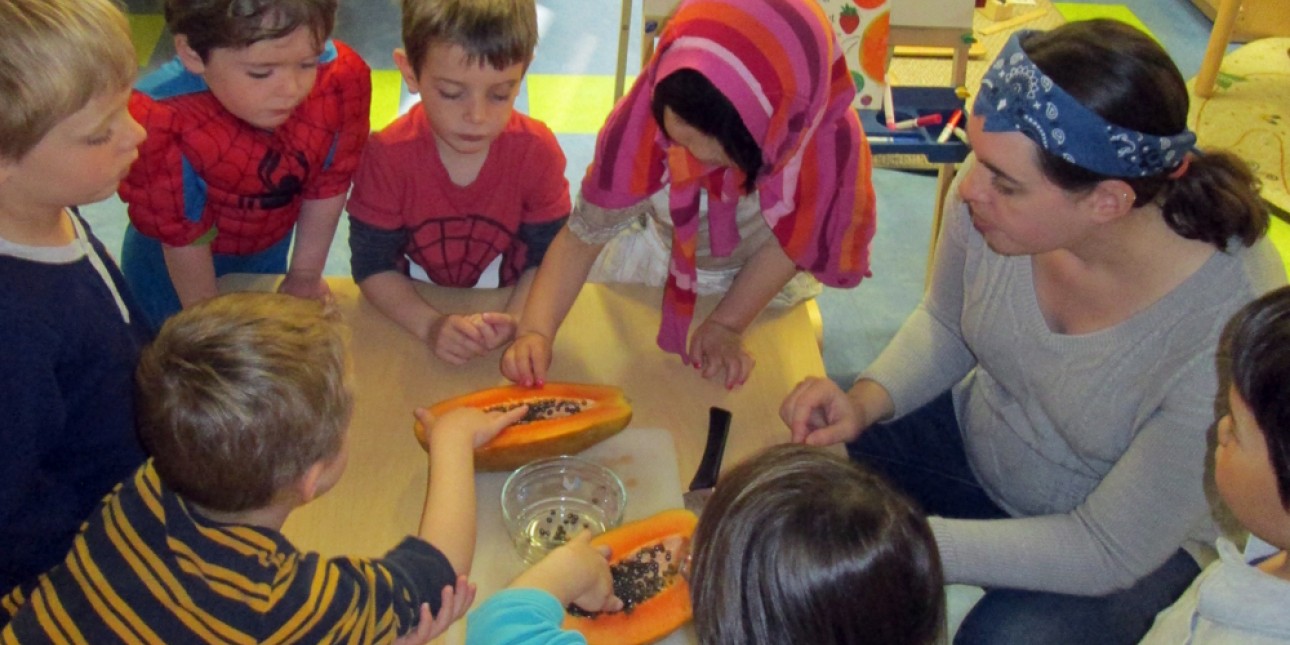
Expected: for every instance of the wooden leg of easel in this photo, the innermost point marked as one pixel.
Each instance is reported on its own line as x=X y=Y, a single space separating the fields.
x=958 y=73
x=1224 y=21
x=648 y=34
x=624 y=33
x=944 y=177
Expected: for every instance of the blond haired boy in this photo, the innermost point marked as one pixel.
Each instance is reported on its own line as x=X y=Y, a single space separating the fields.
x=71 y=331
x=462 y=190
x=245 y=402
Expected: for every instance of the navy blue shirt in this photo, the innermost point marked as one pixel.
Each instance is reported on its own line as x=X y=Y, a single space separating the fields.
x=70 y=337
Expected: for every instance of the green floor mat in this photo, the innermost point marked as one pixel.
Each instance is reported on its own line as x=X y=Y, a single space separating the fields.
x=1072 y=12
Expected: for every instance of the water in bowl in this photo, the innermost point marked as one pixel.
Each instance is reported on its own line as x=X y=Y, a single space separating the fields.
x=546 y=524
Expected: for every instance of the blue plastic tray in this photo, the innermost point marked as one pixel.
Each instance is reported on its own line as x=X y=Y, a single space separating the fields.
x=910 y=103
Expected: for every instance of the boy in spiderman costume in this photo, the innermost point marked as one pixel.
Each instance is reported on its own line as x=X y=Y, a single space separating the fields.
x=462 y=190
x=254 y=131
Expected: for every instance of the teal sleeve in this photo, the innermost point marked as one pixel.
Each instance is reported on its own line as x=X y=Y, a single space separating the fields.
x=520 y=617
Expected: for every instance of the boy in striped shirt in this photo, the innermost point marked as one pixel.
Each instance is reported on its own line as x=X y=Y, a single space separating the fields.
x=244 y=402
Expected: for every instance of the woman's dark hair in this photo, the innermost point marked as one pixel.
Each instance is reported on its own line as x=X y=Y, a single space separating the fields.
x=799 y=545
x=1256 y=354
x=697 y=101
x=1123 y=75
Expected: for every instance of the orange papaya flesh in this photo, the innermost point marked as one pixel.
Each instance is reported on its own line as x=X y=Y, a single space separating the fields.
x=563 y=419
x=645 y=562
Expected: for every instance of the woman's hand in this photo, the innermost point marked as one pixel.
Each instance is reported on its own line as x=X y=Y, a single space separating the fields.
x=715 y=348
x=819 y=413
x=527 y=359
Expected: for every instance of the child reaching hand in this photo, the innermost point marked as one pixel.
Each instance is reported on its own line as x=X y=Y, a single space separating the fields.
x=1246 y=598
x=462 y=191
x=749 y=103
x=254 y=131
x=244 y=406
x=836 y=556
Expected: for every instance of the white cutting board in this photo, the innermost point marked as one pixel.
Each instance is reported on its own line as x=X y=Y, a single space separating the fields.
x=644 y=458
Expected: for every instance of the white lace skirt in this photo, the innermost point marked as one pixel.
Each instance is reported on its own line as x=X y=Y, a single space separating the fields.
x=640 y=255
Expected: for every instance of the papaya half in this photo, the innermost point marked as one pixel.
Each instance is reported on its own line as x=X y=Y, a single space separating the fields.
x=563 y=419
x=645 y=559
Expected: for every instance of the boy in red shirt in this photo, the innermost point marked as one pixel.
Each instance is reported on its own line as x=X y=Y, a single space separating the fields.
x=462 y=190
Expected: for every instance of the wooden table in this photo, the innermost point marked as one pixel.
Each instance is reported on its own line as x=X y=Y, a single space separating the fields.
x=608 y=337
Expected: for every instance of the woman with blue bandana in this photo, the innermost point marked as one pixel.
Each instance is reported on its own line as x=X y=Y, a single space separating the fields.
x=1048 y=401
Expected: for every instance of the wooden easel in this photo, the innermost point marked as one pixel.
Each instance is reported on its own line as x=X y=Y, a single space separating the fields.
x=1219 y=37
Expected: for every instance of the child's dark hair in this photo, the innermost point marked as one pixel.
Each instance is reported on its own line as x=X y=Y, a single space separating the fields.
x=697 y=101
x=799 y=545
x=1256 y=352
x=502 y=32
x=1125 y=77
x=211 y=24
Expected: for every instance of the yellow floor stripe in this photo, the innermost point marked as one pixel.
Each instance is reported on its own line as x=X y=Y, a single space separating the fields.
x=1073 y=12
x=387 y=89
x=145 y=31
x=571 y=104
x=1279 y=233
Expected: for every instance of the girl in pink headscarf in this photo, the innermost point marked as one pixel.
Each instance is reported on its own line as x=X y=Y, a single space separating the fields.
x=748 y=102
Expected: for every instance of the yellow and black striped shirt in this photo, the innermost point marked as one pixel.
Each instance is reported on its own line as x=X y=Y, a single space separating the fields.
x=145 y=569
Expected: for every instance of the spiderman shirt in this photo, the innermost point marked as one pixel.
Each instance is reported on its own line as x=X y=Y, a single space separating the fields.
x=205 y=174
x=405 y=205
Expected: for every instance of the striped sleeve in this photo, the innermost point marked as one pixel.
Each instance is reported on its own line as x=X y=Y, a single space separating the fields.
x=145 y=569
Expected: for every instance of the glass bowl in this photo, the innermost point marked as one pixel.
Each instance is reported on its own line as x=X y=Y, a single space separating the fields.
x=547 y=502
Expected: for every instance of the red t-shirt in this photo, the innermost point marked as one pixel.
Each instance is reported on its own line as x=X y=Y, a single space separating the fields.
x=454 y=232
x=204 y=169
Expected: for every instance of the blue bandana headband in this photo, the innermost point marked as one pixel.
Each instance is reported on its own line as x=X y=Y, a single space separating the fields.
x=1015 y=96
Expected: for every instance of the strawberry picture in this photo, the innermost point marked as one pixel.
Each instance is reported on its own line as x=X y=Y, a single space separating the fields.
x=849 y=20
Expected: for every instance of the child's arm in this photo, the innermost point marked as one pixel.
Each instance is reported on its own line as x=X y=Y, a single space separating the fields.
x=576 y=574
x=314 y=232
x=555 y=287
x=192 y=272
x=448 y=519
x=717 y=343
x=531 y=609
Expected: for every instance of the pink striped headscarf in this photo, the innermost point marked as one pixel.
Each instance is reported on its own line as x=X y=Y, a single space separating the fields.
x=779 y=64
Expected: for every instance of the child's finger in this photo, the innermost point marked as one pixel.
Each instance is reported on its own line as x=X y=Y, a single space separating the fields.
x=447 y=612
x=742 y=367
x=465 y=597
x=613 y=604
x=498 y=320
x=465 y=328
x=463 y=344
x=424 y=416
x=509 y=417
x=450 y=354
x=488 y=335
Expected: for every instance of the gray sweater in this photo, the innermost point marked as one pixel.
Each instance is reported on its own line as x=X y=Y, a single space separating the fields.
x=1094 y=443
